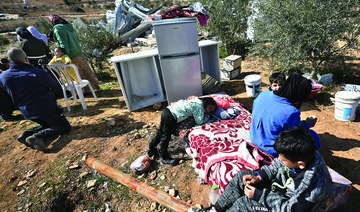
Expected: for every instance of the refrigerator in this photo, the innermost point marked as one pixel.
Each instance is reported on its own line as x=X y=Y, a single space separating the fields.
x=178 y=48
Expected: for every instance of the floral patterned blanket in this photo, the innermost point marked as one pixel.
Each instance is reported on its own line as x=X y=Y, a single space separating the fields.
x=221 y=149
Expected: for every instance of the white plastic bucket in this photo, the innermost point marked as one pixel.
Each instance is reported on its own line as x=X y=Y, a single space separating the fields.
x=253 y=85
x=346 y=104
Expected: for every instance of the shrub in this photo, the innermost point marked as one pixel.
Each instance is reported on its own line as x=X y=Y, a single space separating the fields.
x=96 y=42
x=110 y=6
x=228 y=21
x=3 y=40
x=20 y=25
x=43 y=26
x=305 y=34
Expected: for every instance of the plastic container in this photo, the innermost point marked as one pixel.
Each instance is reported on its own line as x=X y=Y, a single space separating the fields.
x=253 y=85
x=316 y=87
x=214 y=194
x=346 y=104
x=141 y=164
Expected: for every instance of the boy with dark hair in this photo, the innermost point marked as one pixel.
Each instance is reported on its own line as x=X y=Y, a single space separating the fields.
x=298 y=180
x=276 y=81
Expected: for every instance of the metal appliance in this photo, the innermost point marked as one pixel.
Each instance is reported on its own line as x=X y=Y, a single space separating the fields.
x=178 y=48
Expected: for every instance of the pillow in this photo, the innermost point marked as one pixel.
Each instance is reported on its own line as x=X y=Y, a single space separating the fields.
x=223 y=103
x=221 y=113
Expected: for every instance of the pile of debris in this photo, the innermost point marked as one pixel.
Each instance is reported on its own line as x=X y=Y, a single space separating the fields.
x=130 y=20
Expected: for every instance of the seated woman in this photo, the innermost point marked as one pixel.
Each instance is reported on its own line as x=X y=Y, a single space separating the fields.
x=275 y=112
x=35 y=49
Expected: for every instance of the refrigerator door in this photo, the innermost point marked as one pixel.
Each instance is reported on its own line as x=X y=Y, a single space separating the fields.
x=182 y=77
x=176 y=36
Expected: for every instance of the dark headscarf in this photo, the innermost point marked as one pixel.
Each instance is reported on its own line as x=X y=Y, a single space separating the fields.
x=296 y=88
x=24 y=33
x=55 y=19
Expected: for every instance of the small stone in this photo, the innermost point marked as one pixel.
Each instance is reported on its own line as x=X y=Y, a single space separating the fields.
x=21 y=192
x=74 y=166
x=114 y=149
x=124 y=164
x=153 y=175
x=172 y=192
x=181 y=161
x=141 y=176
x=157 y=106
x=83 y=174
x=166 y=188
x=112 y=122
x=163 y=177
x=30 y=174
x=21 y=183
x=48 y=190
x=27 y=206
x=153 y=206
x=42 y=184
x=90 y=183
x=198 y=206
x=137 y=135
x=84 y=157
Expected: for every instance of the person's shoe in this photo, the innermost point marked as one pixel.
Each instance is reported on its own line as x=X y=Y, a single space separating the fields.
x=22 y=139
x=37 y=143
x=153 y=153
x=169 y=161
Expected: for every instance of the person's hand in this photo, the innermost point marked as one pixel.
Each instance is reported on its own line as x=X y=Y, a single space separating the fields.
x=251 y=179
x=249 y=191
x=311 y=120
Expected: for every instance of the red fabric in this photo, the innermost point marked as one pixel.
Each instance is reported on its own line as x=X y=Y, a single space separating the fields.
x=221 y=149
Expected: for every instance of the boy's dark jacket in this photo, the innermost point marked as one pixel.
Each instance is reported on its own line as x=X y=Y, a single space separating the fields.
x=313 y=190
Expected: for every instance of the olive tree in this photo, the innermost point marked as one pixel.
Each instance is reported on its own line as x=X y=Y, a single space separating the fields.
x=228 y=22
x=305 y=34
x=96 y=41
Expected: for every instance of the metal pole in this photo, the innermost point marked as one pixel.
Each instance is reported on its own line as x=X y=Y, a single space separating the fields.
x=138 y=186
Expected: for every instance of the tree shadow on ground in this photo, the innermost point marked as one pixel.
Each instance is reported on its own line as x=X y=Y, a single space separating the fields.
x=115 y=125
x=100 y=106
x=348 y=168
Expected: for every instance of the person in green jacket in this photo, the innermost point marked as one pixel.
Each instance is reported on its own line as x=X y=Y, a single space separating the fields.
x=64 y=34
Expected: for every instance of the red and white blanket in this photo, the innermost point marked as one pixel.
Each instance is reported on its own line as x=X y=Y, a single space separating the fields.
x=221 y=149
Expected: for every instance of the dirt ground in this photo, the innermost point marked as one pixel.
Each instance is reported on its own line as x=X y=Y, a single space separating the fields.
x=106 y=131
x=94 y=134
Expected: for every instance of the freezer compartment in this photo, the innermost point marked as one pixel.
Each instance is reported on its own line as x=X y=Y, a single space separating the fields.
x=176 y=36
x=140 y=82
x=182 y=77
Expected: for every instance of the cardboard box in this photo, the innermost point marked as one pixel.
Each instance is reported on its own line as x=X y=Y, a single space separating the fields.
x=229 y=75
x=341 y=188
x=232 y=62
